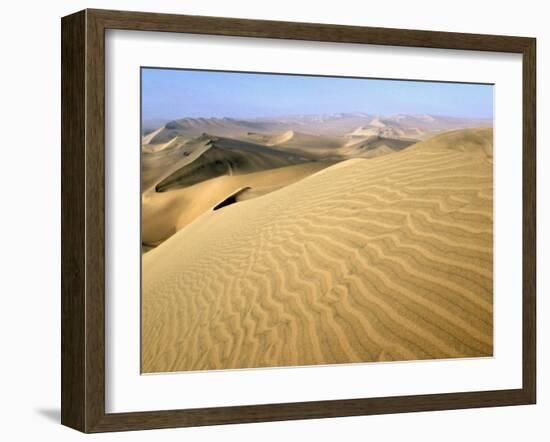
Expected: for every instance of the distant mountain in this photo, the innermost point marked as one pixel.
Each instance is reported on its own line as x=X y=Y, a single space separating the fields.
x=356 y=124
x=148 y=126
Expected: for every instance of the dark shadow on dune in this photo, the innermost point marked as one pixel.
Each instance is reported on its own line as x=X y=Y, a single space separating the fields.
x=51 y=414
x=226 y=156
x=232 y=199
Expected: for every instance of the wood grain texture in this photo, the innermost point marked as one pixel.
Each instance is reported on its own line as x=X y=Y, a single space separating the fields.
x=95 y=221
x=529 y=221
x=73 y=399
x=83 y=234
x=144 y=21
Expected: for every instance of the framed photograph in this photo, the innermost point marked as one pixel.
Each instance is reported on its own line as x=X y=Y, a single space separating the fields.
x=269 y=220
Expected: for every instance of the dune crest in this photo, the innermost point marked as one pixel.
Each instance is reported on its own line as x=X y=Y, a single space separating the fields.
x=280 y=138
x=477 y=141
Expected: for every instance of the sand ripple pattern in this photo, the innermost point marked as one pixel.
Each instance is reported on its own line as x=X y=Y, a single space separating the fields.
x=384 y=259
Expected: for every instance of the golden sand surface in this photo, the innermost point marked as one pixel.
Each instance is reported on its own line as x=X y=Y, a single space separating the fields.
x=381 y=259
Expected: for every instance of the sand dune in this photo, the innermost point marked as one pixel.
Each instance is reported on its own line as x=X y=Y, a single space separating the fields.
x=174 y=174
x=307 y=145
x=159 y=161
x=182 y=162
x=374 y=146
x=217 y=161
x=388 y=132
x=176 y=145
x=379 y=259
x=164 y=213
x=322 y=147
x=197 y=126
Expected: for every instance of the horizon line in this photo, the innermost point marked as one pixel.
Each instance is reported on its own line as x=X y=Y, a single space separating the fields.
x=297 y=115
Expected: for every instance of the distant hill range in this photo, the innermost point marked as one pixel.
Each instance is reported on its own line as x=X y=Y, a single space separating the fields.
x=184 y=152
x=355 y=124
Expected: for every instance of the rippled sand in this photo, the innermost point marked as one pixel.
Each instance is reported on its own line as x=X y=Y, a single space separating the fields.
x=377 y=259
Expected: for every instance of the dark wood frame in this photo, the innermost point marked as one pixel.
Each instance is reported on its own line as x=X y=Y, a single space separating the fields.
x=83 y=216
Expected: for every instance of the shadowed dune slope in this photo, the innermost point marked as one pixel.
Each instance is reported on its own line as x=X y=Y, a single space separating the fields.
x=224 y=156
x=367 y=260
x=161 y=160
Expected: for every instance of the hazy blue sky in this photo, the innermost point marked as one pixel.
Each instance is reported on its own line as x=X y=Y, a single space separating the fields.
x=171 y=94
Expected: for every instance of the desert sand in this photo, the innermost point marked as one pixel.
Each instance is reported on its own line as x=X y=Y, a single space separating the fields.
x=281 y=254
